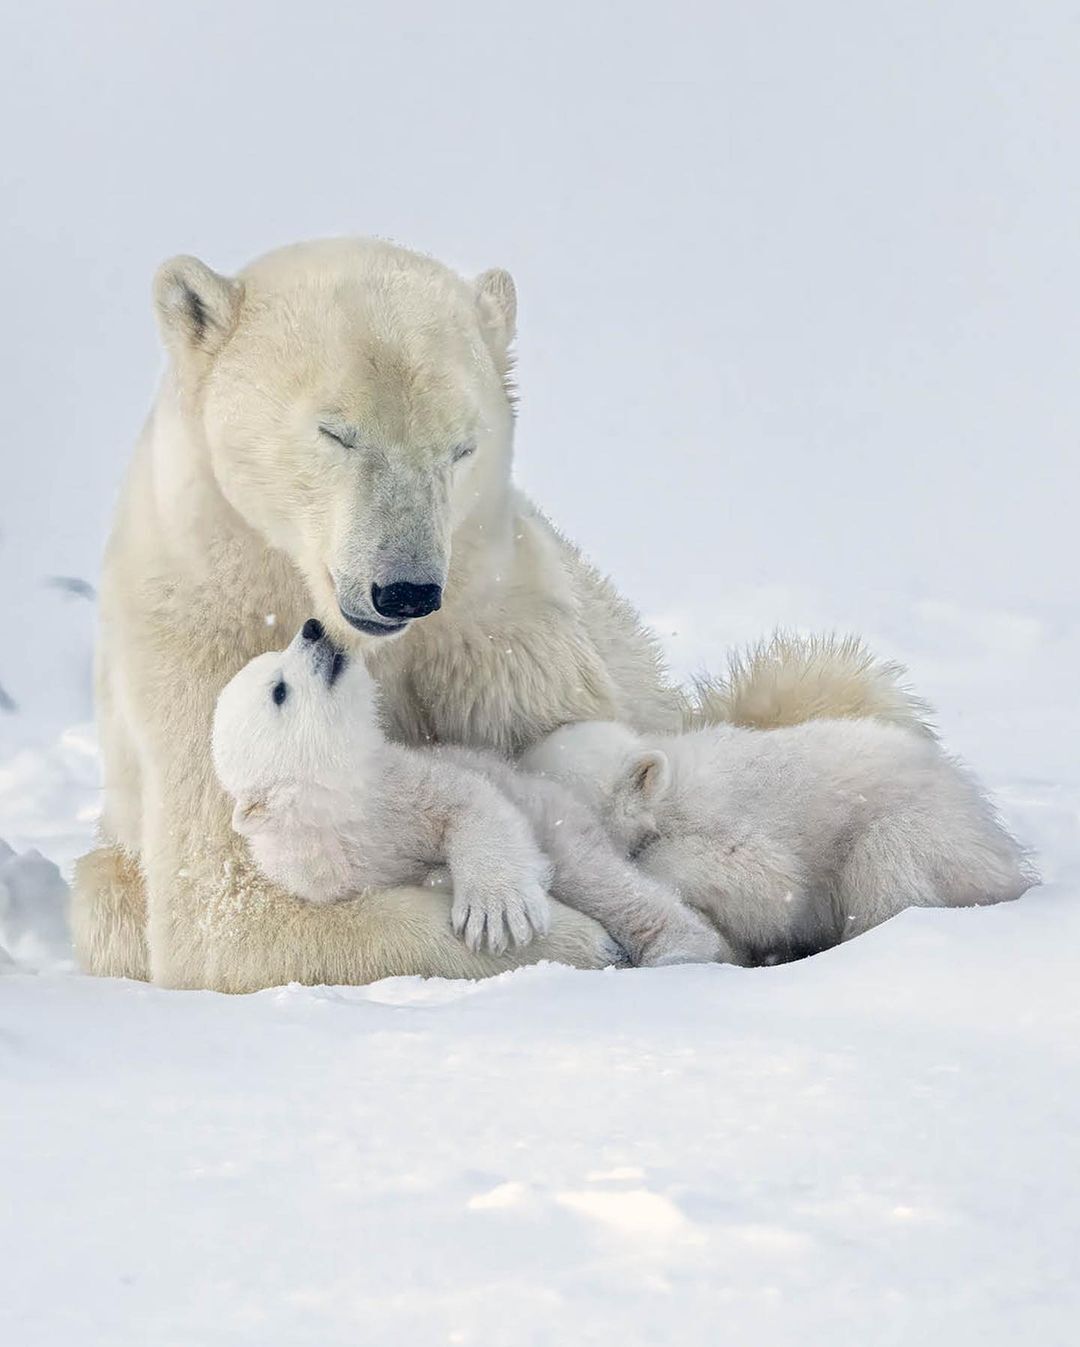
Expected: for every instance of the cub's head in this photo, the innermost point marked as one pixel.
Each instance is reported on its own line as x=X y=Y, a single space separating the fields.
x=352 y=400
x=609 y=767
x=292 y=729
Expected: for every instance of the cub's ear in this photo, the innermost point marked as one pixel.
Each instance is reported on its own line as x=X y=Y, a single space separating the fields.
x=196 y=308
x=649 y=774
x=250 y=814
x=496 y=305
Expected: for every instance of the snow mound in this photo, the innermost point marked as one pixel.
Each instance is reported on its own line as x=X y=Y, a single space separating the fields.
x=50 y=797
x=33 y=912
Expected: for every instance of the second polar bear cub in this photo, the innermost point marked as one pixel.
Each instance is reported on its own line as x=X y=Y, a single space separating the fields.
x=792 y=839
x=330 y=807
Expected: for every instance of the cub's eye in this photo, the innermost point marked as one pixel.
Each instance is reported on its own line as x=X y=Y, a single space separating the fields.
x=342 y=435
x=280 y=692
x=463 y=451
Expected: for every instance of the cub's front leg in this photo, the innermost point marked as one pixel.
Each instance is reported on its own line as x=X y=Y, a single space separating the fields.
x=498 y=873
x=644 y=914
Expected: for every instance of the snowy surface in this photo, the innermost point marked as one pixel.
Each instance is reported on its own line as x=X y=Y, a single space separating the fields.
x=799 y=345
x=880 y=1145
x=876 y=1146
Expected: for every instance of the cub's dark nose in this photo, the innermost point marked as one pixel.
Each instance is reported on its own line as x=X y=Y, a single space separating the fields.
x=312 y=630
x=405 y=600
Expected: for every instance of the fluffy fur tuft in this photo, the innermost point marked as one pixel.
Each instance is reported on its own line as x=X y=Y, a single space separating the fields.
x=788 y=679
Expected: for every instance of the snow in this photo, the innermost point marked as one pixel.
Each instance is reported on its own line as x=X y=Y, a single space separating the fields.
x=33 y=912
x=877 y=1145
x=798 y=346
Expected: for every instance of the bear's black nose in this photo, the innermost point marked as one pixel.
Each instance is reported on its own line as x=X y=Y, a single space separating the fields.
x=312 y=630
x=404 y=600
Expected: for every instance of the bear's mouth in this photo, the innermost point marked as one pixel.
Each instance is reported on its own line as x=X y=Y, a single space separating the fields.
x=338 y=661
x=369 y=627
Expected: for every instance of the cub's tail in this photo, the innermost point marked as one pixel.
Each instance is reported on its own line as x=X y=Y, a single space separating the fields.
x=788 y=679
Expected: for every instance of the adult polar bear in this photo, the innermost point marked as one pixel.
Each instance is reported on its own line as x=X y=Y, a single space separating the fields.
x=333 y=437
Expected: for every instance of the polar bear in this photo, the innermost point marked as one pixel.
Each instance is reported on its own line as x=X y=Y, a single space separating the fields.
x=330 y=807
x=333 y=433
x=793 y=839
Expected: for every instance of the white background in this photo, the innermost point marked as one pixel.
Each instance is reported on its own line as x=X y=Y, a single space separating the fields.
x=799 y=283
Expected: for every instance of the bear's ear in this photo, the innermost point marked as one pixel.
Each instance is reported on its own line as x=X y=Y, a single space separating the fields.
x=250 y=814
x=196 y=308
x=496 y=305
x=649 y=774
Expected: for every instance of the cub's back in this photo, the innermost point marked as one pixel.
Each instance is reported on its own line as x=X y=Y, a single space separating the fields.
x=820 y=778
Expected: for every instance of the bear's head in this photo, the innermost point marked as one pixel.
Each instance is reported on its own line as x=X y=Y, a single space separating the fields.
x=353 y=401
x=607 y=765
x=293 y=730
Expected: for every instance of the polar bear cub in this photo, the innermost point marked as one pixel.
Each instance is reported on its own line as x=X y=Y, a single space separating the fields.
x=792 y=839
x=330 y=807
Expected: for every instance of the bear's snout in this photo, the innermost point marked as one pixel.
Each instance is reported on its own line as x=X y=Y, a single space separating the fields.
x=313 y=630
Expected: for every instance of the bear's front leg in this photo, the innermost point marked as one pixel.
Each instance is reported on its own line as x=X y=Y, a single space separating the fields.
x=216 y=922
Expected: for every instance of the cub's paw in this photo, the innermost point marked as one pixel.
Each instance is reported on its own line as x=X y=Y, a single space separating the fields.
x=495 y=917
x=685 y=938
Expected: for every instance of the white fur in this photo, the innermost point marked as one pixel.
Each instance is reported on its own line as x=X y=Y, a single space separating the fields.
x=241 y=517
x=793 y=839
x=593 y=874
x=789 y=679
x=329 y=808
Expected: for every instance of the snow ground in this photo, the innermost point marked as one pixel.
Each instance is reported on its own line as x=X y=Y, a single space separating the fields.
x=878 y=1145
